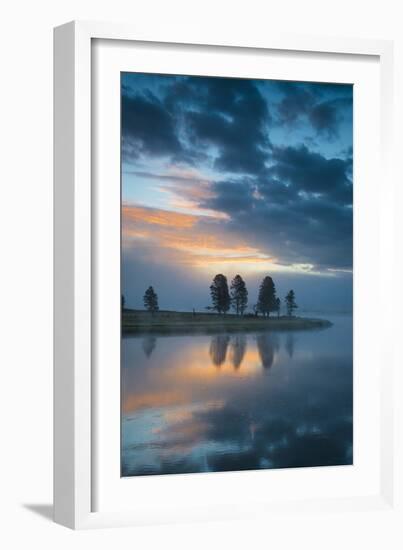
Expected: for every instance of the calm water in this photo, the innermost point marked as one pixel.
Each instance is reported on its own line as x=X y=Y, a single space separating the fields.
x=203 y=403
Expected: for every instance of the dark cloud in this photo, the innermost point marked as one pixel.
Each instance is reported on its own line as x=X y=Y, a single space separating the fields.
x=312 y=232
x=240 y=146
x=326 y=116
x=147 y=127
x=232 y=116
x=324 y=106
x=275 y=191
x=292 y=202
x=311 y=172
x=297 y=101
x=231 y=196
x=300 y=211
x=229 y=114
x=234 y=97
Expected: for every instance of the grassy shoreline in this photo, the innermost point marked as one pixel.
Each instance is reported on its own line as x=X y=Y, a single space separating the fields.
x=176 y=322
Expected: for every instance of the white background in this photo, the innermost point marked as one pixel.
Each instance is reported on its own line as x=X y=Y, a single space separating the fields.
x=26 y=267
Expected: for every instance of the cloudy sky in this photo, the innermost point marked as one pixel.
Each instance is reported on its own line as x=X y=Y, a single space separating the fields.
x=223 y=175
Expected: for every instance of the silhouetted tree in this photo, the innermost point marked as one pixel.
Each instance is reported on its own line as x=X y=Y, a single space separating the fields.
x=278 y=306
x=219 y=294
x=219 y=348
x=267 y=297
x=290 y=303
x=239 y=294
x=151 y=300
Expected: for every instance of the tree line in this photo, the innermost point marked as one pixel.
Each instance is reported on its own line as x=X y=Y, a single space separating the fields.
x=236 y=296
x=223 y=298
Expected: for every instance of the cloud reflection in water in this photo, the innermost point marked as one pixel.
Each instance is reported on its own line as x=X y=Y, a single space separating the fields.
x=236 y=402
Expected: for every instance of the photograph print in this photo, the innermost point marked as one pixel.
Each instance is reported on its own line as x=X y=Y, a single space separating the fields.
x=236 y=274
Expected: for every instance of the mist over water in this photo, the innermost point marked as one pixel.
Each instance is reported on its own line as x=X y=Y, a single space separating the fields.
x=206 y=403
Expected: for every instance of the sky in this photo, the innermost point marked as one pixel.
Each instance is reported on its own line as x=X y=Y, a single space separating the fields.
x=236 y=176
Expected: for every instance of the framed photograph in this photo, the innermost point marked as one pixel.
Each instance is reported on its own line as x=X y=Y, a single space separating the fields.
x=222 y=239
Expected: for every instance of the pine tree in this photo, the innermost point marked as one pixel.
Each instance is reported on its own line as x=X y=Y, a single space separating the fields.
x=151 y=300
x=219 y=294
x=290 y=303
x=239 y=295
x=267 y=297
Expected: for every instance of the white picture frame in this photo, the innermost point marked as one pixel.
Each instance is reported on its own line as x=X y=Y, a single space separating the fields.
x=80 y=430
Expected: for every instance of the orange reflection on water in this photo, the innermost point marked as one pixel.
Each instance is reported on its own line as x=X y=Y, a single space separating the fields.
x=194 y=372
x=227 y=356
x=134 y=401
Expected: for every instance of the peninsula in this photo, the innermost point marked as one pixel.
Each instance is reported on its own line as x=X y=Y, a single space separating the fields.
x=178 y=322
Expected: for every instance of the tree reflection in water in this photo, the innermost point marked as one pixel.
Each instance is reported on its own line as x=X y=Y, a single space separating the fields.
x=238 y=349
x=237 y=401
x=149 y=343
x=219 y=348
x=290 y=344
x=267 y=345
